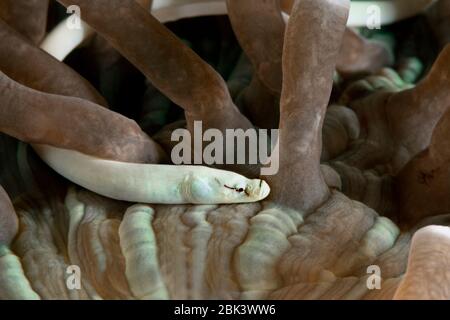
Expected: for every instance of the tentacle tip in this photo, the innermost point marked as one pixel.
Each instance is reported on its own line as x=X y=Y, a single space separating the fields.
x=432 y=232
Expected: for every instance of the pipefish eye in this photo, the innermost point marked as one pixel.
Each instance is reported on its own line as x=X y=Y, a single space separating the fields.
x=239 y=190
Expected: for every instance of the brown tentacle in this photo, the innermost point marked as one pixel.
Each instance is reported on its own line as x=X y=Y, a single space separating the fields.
x=259 y=28
x=171 y=66
x=32 y=67
x=29 y=17
x=309 y=61
x=72 y=123
x=439 y=20
x=428 y=271
x=422 y=186
x=421 y=107
x=361 y=56
x=146 y=4
x=9 y=223
x=260 y=105
x=286 y=5
x=358 y=55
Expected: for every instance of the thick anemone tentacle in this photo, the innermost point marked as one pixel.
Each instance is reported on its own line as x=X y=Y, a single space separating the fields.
x=9 y=223
x=259 y=28
x=170 y=65
x=257 y=102
x=397 y=120
x=121 y=132
x=29 y=17
x=438 y=16
x=358 y=55
x=309 y=61
x=13 y=283
x=341 y=127
x=261 y=35
x=420 y=107
x=67 y=122
x=398 y=10
x=422 y=186
x=27 y=64
x=361 y=56
x=404 y=135
x=428 y=272
x=42 y=78
x=71 y=123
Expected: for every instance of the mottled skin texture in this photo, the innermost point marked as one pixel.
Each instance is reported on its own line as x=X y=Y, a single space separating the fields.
x=360 y=56
x=16 y=13
x=27 y=64
x=302 y=80
x=50 y=117
x=308 y=241
x=161 y=61
x=259 y=28
x=390 y=116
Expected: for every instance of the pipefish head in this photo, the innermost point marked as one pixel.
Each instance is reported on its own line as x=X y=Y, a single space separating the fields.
x=225 y=187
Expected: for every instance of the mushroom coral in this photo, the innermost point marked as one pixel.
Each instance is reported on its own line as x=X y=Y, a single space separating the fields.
x=307 y=240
